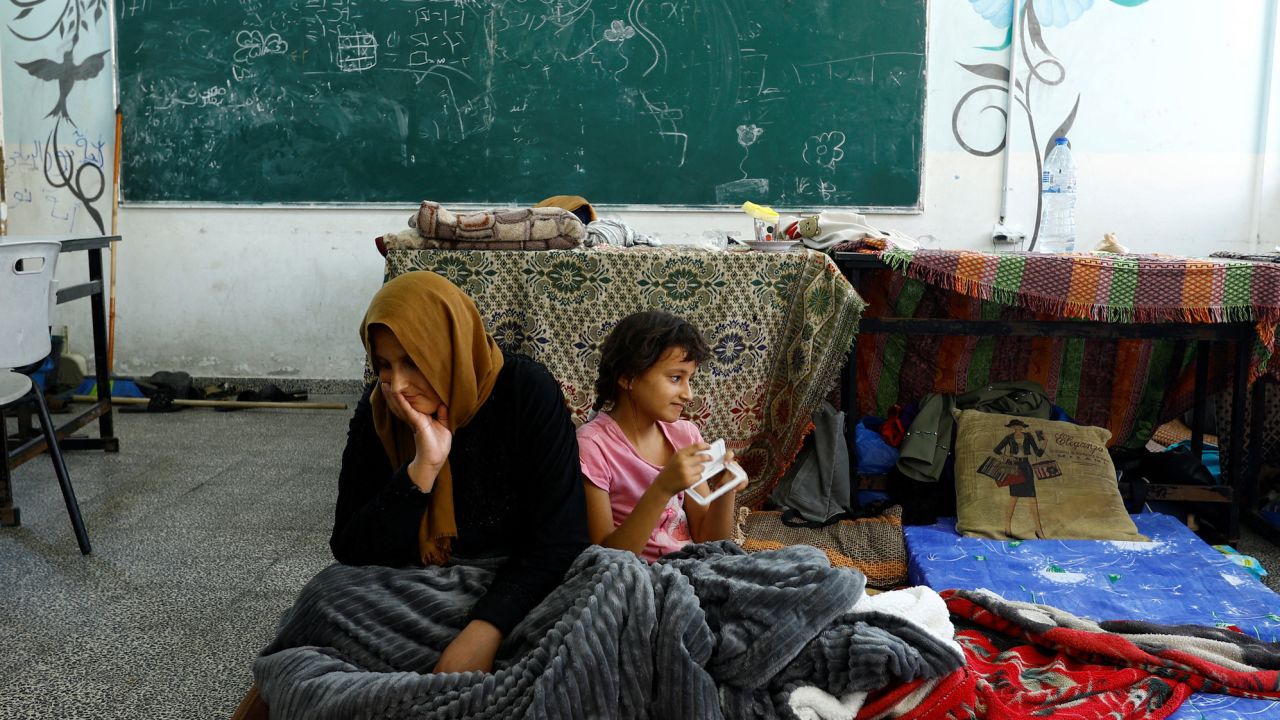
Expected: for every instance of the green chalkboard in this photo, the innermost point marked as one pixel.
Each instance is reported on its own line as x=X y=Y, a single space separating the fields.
x=796 y=103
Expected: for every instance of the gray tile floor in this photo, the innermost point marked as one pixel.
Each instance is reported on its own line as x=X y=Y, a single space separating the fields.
x=204 y=528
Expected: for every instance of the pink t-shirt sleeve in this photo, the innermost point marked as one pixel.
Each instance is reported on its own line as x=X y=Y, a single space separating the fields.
x=594 y=466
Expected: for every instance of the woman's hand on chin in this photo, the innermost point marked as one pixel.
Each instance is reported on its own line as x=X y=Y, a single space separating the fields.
x=431 y=436
x=473 y=649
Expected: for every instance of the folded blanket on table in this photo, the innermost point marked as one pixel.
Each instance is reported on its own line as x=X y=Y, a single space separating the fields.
x=617 y=233
x=709 y=632
x=436 y=228
x=1255 y=257
x=1028 y=660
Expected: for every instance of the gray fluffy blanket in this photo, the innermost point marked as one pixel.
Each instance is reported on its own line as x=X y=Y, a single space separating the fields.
x=707 y=633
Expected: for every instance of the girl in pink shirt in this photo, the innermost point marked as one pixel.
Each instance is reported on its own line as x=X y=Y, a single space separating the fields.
x=638 y=456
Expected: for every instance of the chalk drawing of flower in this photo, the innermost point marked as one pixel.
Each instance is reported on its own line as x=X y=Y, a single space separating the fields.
x=253 y=44
x=619 y=31
x=1052 y=13
x=748 y=134
x=824 y=150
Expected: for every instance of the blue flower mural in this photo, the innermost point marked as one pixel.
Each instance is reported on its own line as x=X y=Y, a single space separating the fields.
x=997 y=12
x=1057 y=13
x=1053 y=13
x=1039 y=62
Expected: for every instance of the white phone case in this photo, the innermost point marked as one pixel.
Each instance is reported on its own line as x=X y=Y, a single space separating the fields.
x=714 y=467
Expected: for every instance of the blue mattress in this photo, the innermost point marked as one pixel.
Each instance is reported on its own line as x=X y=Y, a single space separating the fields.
x=1175 y=578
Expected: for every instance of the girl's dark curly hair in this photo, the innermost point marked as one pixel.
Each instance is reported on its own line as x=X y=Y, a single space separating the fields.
x=636 y=343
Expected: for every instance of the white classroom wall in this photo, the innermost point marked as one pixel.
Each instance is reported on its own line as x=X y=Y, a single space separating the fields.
x=1173 y=127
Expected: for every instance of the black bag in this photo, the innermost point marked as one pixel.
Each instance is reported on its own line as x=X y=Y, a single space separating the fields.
x=817 y=491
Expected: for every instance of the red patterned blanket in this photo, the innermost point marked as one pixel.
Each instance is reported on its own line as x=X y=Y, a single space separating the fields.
x=1035 y=661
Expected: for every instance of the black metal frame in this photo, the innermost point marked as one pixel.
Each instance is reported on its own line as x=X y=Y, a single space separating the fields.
x=56 y=438
x=1240 y=487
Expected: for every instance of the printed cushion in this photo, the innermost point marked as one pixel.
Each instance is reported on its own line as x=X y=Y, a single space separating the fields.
x=1025 y=478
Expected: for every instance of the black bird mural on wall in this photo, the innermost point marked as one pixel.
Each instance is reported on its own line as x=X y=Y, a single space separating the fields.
x=67 y=73
x=34 y=24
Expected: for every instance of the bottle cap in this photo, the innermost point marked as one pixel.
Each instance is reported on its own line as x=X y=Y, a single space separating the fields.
x=1060 y=141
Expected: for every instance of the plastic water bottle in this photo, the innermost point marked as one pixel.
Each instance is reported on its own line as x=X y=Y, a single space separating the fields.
x=1058 y=201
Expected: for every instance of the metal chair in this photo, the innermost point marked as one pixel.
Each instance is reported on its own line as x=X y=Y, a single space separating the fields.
x=26 y=300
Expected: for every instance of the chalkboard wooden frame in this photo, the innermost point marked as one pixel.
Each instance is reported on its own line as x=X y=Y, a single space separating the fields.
x=232 y=108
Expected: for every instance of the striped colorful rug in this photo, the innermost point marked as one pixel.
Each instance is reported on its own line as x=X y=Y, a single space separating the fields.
x=1127 y=386
x=1110 y=288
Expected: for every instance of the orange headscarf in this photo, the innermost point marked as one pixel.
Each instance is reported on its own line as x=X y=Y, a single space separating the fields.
x=442 y=332
x=572 y=203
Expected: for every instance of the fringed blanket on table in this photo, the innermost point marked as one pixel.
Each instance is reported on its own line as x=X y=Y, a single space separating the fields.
x=1105 y=287
x=780 y=326
x=1127 y=386
x=1030 y=661
x=710 y=632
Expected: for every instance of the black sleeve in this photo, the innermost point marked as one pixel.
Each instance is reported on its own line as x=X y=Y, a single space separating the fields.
x=553 y=519
x=379 y=509
x=1006 y=442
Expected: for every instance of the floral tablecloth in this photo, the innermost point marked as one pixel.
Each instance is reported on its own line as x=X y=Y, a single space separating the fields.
x=780 y=326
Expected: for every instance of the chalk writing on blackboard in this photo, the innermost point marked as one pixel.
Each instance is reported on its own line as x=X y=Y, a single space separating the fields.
x=504 y=101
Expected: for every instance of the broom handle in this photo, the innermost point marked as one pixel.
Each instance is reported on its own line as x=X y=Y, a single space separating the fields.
x=221 y=403
x=115 y=230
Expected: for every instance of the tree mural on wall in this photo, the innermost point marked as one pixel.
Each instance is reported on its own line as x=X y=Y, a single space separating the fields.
x=84 y=179
x=1041 y=65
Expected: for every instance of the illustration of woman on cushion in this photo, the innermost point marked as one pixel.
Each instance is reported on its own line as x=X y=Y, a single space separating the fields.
x=1020 y=445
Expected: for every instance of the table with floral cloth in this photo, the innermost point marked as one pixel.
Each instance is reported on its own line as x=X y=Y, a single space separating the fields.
x=780 y=326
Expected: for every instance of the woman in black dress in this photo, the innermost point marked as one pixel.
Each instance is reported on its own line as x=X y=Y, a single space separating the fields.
x=460 y=452
x=1021 y=446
